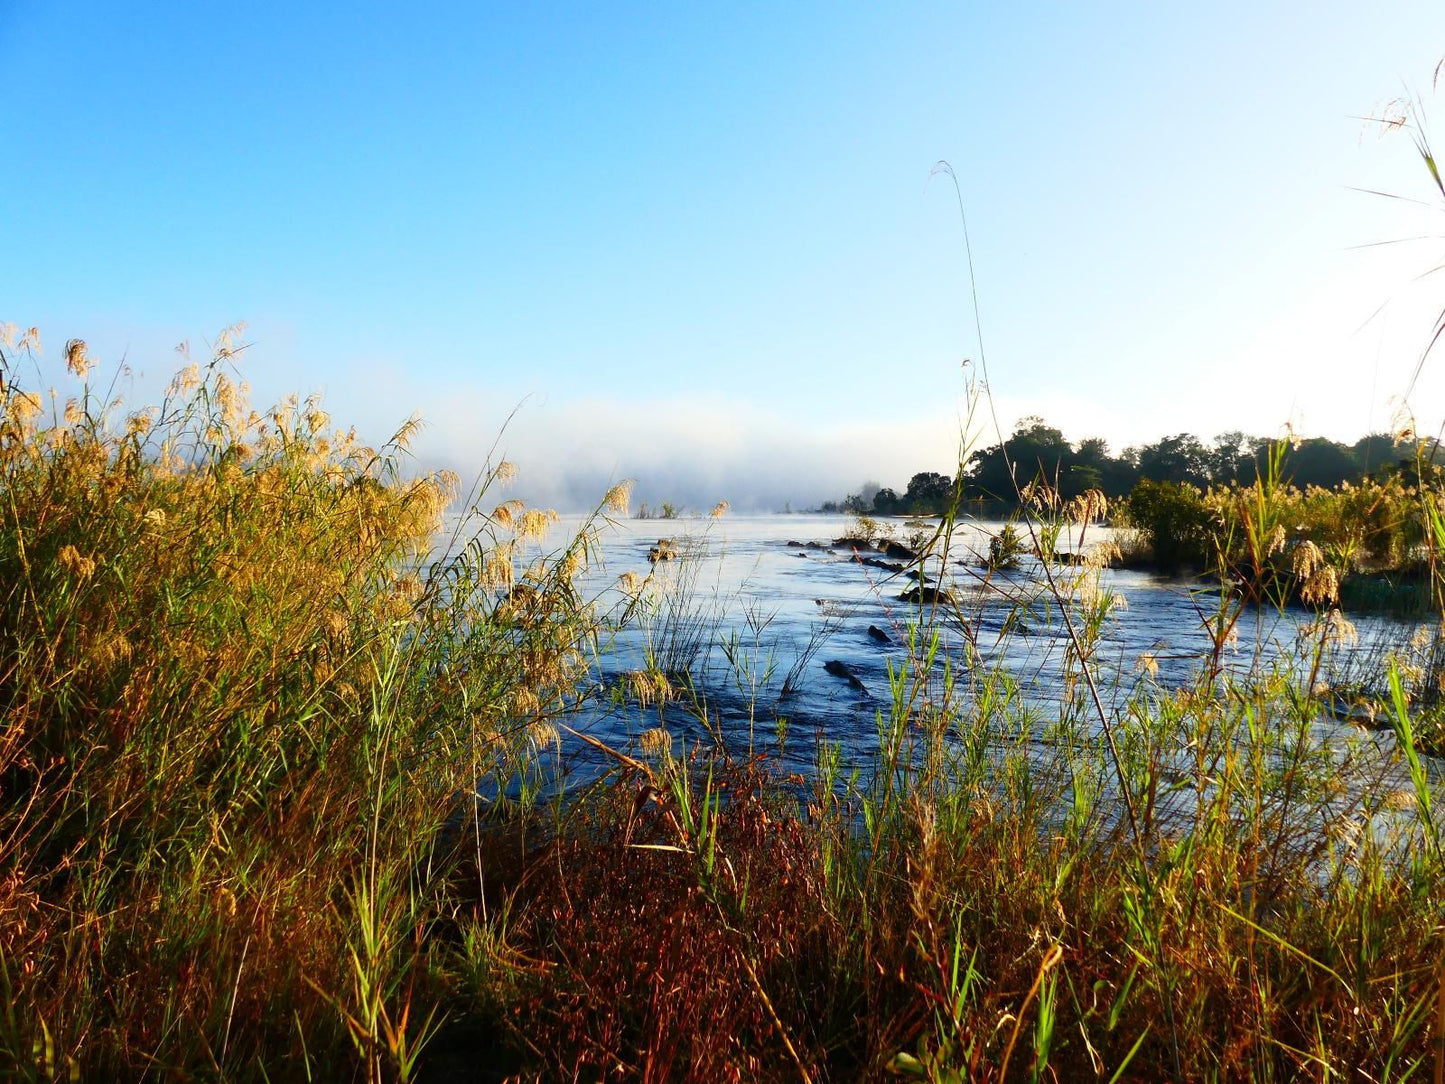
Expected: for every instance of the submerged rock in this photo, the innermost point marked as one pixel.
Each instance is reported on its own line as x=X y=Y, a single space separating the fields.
x=1367 y=712
x=926 y=594
x=874 y=562
x=843 y=670
x=879 y=635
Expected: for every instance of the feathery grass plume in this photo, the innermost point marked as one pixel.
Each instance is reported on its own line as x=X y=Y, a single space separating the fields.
x=570 y=564
x=1333 y=628
x=655 y=741
x=1102 y=555
x=619 y=497
x=245 y=737
x=543 y=735
x=1306 y=559
x=1088 y=507
x=77 y=359
x=1040 y=496
x=506 y=512
x=187 y=380
x=23 y=408
x=70 y=559
x=1277 y=541
x=648 y=687
x=719 y=510
x=137 y=425
x=533 y=524
x=1322 y=588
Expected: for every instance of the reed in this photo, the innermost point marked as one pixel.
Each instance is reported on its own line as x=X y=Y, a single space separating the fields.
x=277 y=798
x=975 y=902
x=246 y=694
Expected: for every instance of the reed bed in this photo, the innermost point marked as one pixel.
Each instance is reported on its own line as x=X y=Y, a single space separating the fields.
x=272 y=807
x=245 y=697
x=1206 y=883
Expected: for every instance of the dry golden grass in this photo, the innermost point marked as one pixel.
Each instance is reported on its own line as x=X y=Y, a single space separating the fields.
x=243 y=695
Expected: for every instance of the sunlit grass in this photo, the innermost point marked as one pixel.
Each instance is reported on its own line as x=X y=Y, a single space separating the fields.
x=276 y=798
x=1197 y=884
x=245 y=696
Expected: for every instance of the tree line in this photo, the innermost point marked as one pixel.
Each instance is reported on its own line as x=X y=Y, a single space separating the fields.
x=1037 y=450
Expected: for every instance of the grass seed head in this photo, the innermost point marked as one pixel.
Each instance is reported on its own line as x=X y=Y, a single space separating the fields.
x=619 y=497
x=655 y=742
x=77 y=360
x=79 y=566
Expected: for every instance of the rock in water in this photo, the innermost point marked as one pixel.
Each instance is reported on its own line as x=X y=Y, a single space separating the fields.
x=873 y=562
x=879 y=635
x=844 y=671
x=926 y=595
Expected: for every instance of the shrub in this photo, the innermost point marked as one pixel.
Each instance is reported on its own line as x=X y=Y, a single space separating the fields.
x=1175 y=521
x=1005 y=548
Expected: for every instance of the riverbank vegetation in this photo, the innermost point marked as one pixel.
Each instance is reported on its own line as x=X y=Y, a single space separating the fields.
x=274 y=802
x=1371 y=531
x=990 y=478
x=1371 y=546
x=242 y=690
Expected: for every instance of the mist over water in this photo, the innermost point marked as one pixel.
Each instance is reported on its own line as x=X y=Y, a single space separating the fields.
x=569 y=455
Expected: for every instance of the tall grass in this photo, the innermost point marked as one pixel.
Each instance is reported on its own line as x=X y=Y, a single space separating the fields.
x=271 y=809
x=245 y=704
x=1209 y=884
x=1260 y=533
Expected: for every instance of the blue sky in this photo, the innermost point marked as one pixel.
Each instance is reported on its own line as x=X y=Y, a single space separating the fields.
x=698 y=243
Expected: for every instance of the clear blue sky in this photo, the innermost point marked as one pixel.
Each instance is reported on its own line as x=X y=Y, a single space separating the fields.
x=700 y=240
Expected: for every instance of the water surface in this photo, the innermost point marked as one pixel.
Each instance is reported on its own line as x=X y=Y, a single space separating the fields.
x=756 y=605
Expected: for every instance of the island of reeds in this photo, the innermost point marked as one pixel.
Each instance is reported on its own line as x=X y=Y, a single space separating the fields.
x=1183 y=504
x=278 y=712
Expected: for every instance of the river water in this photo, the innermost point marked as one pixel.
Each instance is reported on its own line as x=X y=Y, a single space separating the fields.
x=755 y=606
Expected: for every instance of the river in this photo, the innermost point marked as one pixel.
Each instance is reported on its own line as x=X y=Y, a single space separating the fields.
x=755 y=606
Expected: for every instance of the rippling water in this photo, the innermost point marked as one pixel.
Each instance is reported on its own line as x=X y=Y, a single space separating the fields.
x=752 y=616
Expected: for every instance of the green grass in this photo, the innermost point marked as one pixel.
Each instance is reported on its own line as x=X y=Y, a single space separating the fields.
x=242 y=695
x=1372 y=543
x=248 y=698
